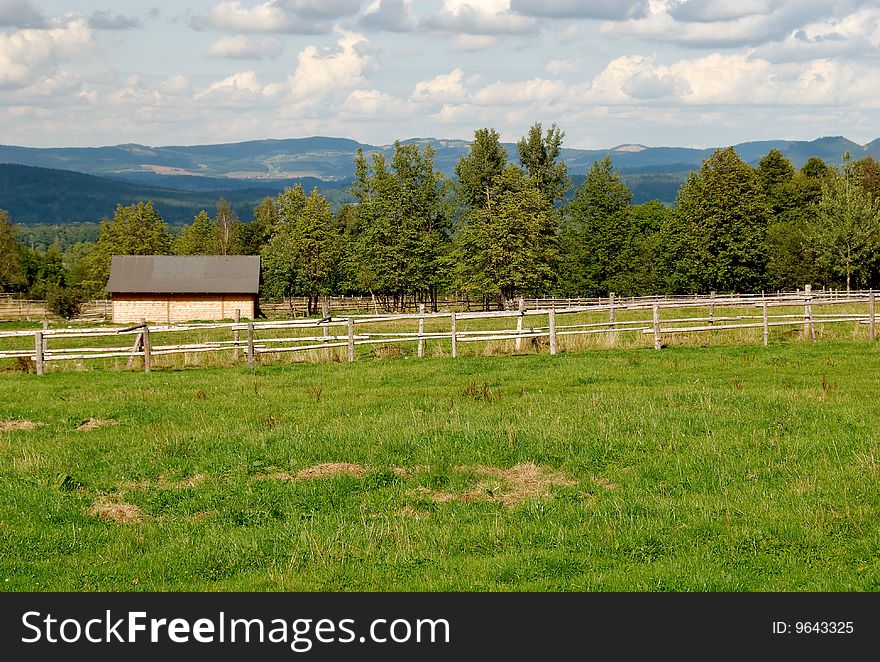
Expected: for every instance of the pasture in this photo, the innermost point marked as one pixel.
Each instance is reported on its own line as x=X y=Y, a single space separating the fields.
x=715 y=468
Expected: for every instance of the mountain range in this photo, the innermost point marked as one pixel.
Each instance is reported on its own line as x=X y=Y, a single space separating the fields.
x=69 y=184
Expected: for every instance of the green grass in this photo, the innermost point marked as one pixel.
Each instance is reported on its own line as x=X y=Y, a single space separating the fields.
x=720 y=468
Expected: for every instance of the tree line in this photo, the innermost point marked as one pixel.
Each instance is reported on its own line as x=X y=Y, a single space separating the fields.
x=501 y=229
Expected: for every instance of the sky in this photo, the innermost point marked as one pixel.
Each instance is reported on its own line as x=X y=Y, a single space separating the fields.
x=691 y=73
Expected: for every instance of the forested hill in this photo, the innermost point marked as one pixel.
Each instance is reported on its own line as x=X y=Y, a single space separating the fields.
x=67 y=185
x=332 y=159
x=48 y=196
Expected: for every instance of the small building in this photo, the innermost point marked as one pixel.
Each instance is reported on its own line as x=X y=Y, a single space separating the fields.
x=164 y=288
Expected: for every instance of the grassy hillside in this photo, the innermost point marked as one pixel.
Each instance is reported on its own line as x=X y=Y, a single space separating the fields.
x=707 y=469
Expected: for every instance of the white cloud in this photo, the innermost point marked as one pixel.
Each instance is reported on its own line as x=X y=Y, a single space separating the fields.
x=536 y=90
x=176 y=85
x=269 y=16
x=469 y=43
x=488 y=17
x=241 y=89
x=721 y=24
x=560 y=66
x=442 y=89
x=28 y=54
x=389 y=15
x=734 y=80
x=240 y=47
x=341 y=69
x=375 y=104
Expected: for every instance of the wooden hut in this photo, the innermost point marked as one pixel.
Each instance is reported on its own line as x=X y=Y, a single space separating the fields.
x=163 y=288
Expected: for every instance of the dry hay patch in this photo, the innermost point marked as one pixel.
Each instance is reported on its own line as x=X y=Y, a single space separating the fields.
x=16 y=426
x=326 y=470
x=95 y=423
x=509 y=487
x=114 y=511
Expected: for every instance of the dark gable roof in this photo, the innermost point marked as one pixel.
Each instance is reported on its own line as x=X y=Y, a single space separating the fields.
x=197 y=274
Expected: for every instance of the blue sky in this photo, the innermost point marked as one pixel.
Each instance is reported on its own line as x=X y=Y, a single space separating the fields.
x=700 y=73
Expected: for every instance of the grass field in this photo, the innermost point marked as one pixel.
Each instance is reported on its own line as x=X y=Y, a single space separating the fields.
x=720 y=468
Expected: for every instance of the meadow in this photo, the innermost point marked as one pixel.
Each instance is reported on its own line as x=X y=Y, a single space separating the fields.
x=725 y=467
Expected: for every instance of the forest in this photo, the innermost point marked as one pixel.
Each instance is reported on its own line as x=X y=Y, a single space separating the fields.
x=503 y=228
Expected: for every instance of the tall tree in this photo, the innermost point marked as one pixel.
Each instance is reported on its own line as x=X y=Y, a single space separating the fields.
x=715 y=237
x=539 y=155
x=11 y=273
x=137 y=229
x=199 y=238
x=847 y=227
x=597 y=232
x=302 y=257
x=253 y=235
x=403 y=217
x=226 y=228
x=509 y=245
x=483 y=165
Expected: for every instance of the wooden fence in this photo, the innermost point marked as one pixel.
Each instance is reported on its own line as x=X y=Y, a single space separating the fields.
x=250 y=340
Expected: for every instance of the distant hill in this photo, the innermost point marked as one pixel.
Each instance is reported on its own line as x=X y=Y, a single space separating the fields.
x=182 y=179
x=48 y=196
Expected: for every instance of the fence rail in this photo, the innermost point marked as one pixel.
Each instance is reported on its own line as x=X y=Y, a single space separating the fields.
x=253 y=338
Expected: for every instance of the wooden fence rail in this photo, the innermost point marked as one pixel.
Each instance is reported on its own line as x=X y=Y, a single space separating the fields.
x=350 y=331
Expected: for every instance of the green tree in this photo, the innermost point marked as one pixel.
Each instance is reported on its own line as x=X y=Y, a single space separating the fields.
x=11 y=272
x=199 y=238
x=869 y=175
x=480 y=169
x=137 y=229
x=846 y=230
x=302 y=258
x=254 y=235
x=539 y=155
x=597 y=233
x=226 y=229
x=715 y=237
x=403 y=223
x=509 y=245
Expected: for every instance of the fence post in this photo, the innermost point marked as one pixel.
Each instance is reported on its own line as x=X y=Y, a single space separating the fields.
x=553 y=332
x=45 y=339
x=517 y=344
x=656 y=311
x=613 y=335
x=421 y=331
x=350 y=340
x=38 y=351
x=250 y=343
x=766 y=326
x=325 y=314
x=148 y=358
x=871 y=323
x=809 y=328
x=712 y=308
x=235 y=335
x=454 y=337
